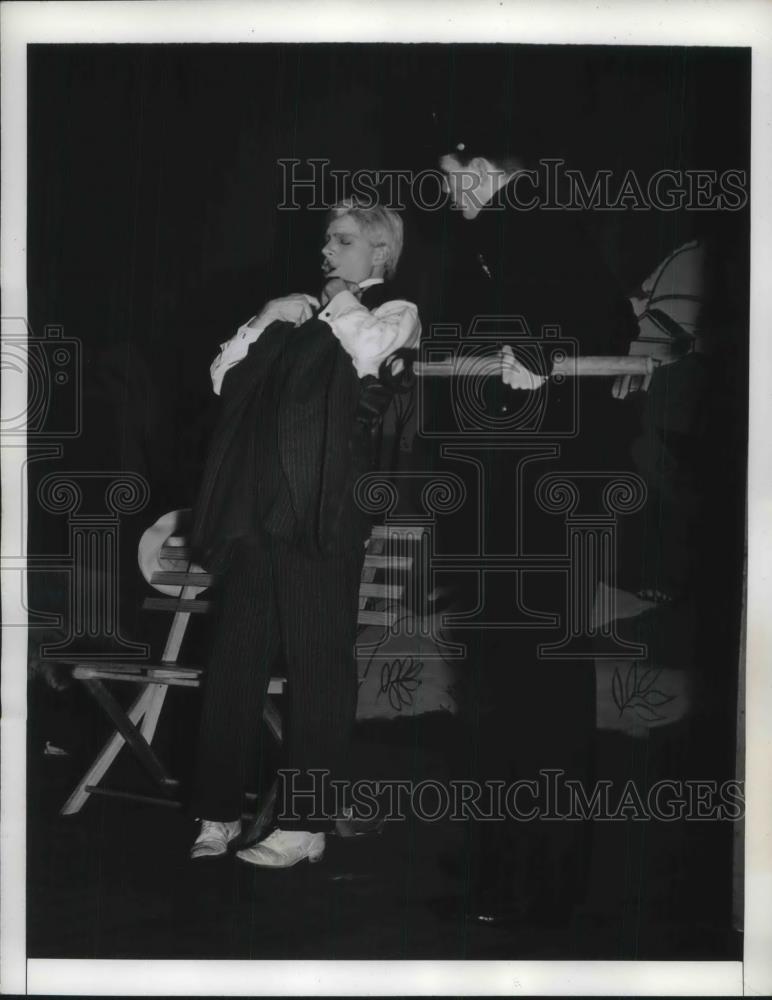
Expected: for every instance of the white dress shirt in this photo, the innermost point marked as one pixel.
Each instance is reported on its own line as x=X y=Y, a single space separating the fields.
x=367 y=337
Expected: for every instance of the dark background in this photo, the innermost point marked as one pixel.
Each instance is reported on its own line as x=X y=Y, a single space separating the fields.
x=153 y=232
x=153 y=186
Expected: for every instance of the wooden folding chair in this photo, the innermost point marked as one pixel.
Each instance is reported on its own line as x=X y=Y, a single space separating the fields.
x=136 y=726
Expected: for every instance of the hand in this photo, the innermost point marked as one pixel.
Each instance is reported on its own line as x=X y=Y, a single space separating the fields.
x=296 y=308
x=516 y=375
x=624 y=385
x=336 y=285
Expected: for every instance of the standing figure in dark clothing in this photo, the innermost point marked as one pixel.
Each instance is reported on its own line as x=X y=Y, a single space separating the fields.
x=528 y=715
x=674 y=307
x=276 y=517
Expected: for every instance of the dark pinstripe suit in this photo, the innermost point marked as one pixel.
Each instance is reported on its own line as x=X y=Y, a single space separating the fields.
x=279 y=606
x=277 y=519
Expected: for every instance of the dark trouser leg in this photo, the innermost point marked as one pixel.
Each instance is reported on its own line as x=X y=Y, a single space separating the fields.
x=243 y=657
x=317 y=599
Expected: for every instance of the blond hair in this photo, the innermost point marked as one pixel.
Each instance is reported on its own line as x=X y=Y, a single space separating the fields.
x=381 y=226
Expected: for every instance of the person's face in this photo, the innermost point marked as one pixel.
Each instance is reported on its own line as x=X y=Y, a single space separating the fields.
x=347 y=253
x=465 y=185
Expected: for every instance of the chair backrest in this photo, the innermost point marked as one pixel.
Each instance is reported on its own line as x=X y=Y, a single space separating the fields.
x=166 y=563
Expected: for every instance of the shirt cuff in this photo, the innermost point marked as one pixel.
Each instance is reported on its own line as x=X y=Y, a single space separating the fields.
x=233 y=351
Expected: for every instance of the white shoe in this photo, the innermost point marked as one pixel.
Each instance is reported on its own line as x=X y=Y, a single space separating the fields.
x=214 y=838
x=284 y=848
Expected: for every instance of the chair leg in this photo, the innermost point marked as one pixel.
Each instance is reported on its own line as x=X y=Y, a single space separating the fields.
x=375 y=546
x=272 y=719
x=130 y=733
x=109 y=752
x=150 y=722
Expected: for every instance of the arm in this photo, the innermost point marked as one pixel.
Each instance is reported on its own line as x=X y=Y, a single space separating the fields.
x=292 y=309
x=370 y=337
x=669 y=312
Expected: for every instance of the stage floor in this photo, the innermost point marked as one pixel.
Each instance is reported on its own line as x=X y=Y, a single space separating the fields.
x=115 y=881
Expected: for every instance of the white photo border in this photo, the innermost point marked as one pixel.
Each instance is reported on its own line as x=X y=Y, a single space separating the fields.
x=657 y=22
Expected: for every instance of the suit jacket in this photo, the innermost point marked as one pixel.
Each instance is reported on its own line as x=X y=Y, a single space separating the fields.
x=541 y=265
x=293 y=435
x=538 y=265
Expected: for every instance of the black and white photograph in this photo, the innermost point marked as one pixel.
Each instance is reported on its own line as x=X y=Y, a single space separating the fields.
x=377 y=530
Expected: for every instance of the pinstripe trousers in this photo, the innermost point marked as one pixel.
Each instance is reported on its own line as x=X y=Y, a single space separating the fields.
x=280 y=607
